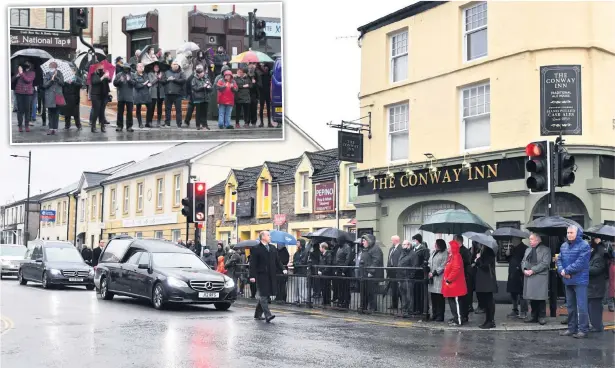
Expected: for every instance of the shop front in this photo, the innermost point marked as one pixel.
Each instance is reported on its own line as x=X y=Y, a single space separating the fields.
x=213 y=30
x=60 y=44
x=493 y=188
x=140 y=30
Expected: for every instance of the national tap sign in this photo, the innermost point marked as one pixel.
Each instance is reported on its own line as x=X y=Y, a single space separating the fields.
x=446 y=178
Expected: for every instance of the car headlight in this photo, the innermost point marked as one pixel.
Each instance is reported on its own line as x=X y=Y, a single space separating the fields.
x=228 y=282
x=55 y=272
x=172 y=281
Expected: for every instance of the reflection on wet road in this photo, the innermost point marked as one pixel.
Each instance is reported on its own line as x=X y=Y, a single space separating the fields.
x=72 y=328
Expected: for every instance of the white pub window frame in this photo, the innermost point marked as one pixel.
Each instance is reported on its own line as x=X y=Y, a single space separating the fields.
x=305 y=192
x=398 y=125
x=398 y=54
x=113 y=208
x=177 y=182
x=351 y=194
x=94 y=207
x=139 y=197
x=474 y=23
x=159 y=193
x=126 y=200
x=82 y=214
x=475 y=103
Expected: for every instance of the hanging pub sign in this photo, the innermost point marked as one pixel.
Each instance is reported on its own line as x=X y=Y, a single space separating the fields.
x=560 y=100
x=245 y=208
x=444 y=178
x=350 y=146
x=324 y=197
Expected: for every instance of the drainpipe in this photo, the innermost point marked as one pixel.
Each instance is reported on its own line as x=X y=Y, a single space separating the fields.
x=337 y=201
x=68 y=219
x=278 y=189
x=76 y=215
x=102 y=213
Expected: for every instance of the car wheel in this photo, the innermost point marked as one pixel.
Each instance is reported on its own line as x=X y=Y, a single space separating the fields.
x=45 y=282
x=22 y=281
x=104 y=289
x=158 y=296
x=89 y=287
x=222 y=306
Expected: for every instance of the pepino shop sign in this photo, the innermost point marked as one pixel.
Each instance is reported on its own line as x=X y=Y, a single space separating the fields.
x=324 y=197
x=42 y=39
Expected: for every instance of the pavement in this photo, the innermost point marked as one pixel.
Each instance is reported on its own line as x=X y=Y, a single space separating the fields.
x=72 y=327
x=38 y=132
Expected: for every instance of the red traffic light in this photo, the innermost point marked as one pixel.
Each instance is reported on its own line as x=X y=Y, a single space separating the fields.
x=200 y=187
x=534 y=149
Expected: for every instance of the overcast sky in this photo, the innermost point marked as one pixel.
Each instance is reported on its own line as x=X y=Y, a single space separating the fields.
x=320 y=45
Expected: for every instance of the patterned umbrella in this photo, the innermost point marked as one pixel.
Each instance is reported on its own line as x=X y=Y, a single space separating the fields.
x=63 y=66
x=107 y=66
x=252 y=57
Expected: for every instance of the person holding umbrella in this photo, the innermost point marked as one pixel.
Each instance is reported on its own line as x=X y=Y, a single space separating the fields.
x=486 y=283
x=72 y=94
x=453 y=283
x=535 y=266
x=54 y=98
x=24 y=90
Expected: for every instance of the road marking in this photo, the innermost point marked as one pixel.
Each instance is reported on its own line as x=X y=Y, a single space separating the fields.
x=7 y=325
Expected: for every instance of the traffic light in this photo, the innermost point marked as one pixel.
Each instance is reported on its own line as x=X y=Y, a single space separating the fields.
x=78 y=20
x=538 y=167
x=259 y=29
x=200 y=202
x=188 y=204
x=565 y=169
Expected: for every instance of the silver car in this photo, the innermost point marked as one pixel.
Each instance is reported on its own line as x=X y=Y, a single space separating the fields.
x=11 y=257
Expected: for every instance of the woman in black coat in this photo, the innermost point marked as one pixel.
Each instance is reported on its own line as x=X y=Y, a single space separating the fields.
x=514 y=286
x=597 y=284
x=264 y=266
x=486 y=284
x=72 y=95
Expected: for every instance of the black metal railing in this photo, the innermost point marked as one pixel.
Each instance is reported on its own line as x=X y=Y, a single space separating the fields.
x=397 y=291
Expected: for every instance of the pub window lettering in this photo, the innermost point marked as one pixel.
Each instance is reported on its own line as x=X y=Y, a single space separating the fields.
x=20 y=17
x=55 y=18
x=442 y=176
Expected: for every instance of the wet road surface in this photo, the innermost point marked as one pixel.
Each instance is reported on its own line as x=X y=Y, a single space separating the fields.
x=71 y=327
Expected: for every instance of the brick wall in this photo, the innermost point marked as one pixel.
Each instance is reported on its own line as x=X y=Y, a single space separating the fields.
x=38 y=18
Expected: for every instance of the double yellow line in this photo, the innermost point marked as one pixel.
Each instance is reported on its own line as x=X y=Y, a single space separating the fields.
x=7 y=324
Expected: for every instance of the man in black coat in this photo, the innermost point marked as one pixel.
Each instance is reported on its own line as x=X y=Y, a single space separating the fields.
x=284 y=257
x=264 y=265
x=326 y=259
x=421 y=255
x=72 y=95
x=393 y=261
x=373 y=263
x=343 y=257
x=96 y=253
x=514 y=285
x=87 y=253
x=99 y=93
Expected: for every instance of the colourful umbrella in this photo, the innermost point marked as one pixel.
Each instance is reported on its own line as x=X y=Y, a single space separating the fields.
x=107 y=66
x=252 y=57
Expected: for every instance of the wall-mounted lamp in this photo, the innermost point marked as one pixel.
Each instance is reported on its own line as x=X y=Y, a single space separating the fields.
x=356 y=182
x=465 y=165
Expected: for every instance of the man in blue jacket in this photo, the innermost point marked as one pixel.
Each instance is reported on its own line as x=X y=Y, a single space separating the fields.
x=573 y=266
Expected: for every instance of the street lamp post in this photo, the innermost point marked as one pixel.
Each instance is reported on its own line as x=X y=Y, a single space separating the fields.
x=27 y=206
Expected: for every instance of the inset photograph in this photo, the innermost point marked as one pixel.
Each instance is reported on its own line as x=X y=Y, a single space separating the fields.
x=146 y=73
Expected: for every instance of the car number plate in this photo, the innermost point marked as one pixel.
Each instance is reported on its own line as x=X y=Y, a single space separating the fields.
x=278 y=109
x=75 y=279
x=206 y=295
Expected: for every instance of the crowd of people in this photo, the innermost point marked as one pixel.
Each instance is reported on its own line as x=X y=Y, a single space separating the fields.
x=147 y=81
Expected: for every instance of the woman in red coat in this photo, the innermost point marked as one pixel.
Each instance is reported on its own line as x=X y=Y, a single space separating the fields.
x=454 y=282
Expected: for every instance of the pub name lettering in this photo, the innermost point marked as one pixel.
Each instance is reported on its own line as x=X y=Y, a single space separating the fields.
x=560 y=80
x=438 y=177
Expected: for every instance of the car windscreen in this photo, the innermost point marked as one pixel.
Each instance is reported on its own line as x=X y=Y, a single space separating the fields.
x=12 y=251
x=53 y=254
x=178 y=260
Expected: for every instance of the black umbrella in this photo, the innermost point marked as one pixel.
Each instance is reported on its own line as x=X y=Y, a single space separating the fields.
x=163 y=66
x=505 y=233
x=602 y=231
x=454 y=222
x=32 y=53
x=482 y=238
x=551 y=225
x=332 y=233
x=81 y=60
x=247 y=244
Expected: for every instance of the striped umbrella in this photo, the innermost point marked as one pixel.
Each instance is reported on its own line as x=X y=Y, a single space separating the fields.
x=252 y=57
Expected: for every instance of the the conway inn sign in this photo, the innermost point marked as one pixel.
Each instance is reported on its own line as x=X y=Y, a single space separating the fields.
x=445 y=178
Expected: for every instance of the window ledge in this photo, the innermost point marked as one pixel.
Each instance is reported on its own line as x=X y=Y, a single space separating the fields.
x=476 y=149
x=477 y=60
x=264 y=216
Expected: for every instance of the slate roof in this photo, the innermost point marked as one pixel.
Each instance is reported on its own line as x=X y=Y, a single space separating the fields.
x=218 y=188
x=33 y=199
x=62 y=191
x=246 y=178
x=94 y=179
x=407 y=12
x=115 y=168
x=175 y=155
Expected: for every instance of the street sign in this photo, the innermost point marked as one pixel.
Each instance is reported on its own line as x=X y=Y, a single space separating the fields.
x=560 y=100
x=200 y=216
x=48 y=216
x=279 y=219
x=350 y=146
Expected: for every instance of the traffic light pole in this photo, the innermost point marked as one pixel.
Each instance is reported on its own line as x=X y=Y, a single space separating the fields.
x=250 y=26
x=553 y=282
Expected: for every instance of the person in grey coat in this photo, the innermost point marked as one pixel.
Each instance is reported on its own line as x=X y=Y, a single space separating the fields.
x=53 y=82
x=535 y=266
x=437 y=262
x=124 y=81
x=209 y=259
x=141 y=92
x=156 y=90
x=372 y=260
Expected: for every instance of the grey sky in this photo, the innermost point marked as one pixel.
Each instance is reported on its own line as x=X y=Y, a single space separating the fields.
x=321 y=85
